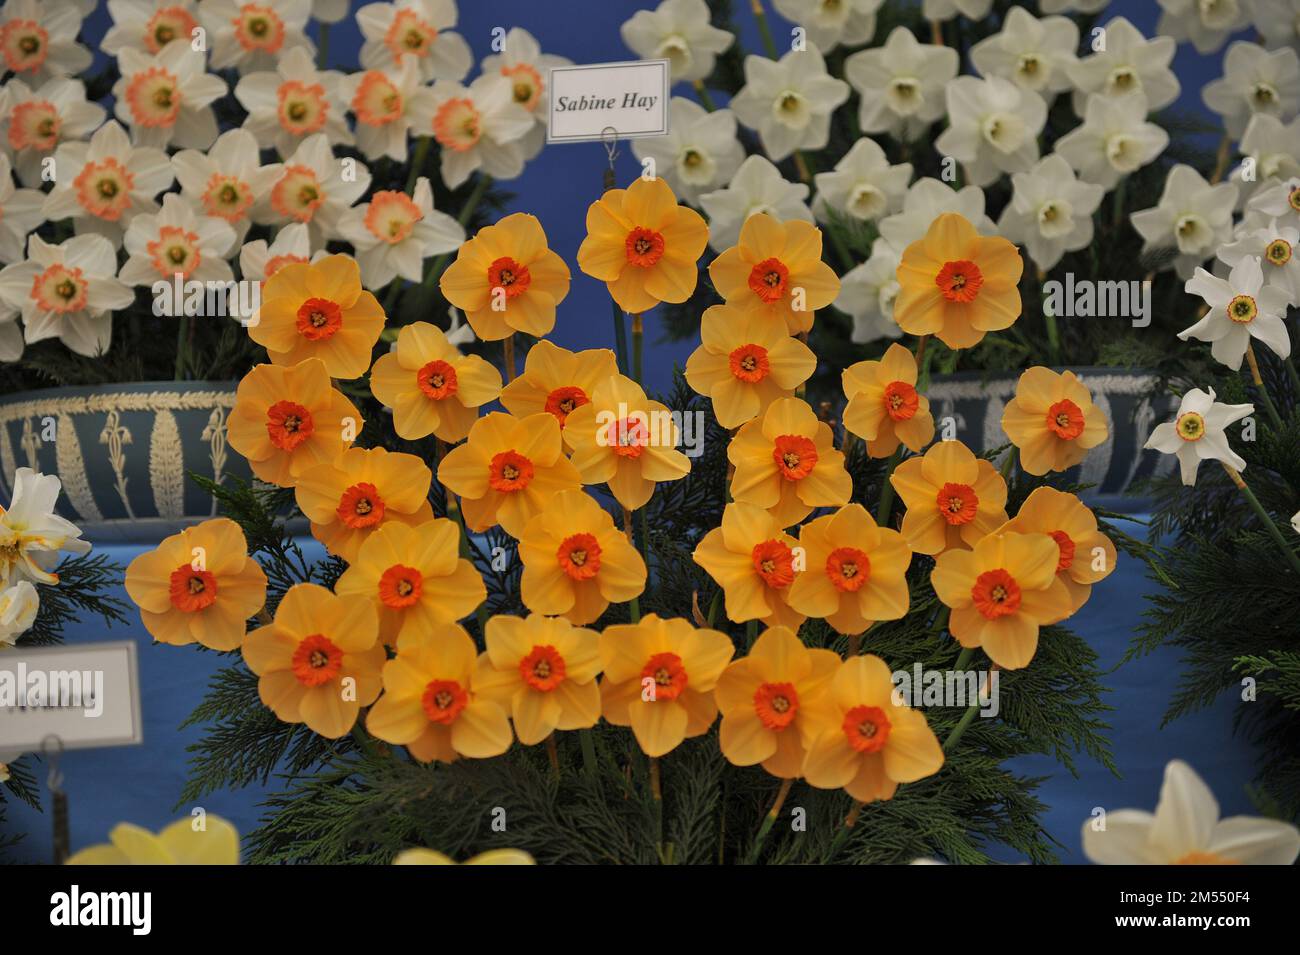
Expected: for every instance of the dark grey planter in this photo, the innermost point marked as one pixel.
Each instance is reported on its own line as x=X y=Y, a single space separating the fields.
x=123 y=452
x=1116 y=468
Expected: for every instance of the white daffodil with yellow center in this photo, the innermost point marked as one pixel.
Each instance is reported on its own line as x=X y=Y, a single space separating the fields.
x=1050 y=212
x=394 y=233
x=900 y=84
x=1198 y=433
x=415 y=30
x=31 y=534
x=1186 y=830
x=700 y=152
x=1240 y=308
x=1192 y=217
x=1277 y=247
x=166 y=97
x=177 y=241
x=789 y=102
x=678 y=31
x=757 y=187
x=1130 y=63
x=294 y=101
x=313 y=189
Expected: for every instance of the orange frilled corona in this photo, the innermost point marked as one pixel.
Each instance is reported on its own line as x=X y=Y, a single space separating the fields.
x=777 y=270
x=958 y=285
x=506 y=279
x=557 y=381
x=643 y=245
x=288 y=419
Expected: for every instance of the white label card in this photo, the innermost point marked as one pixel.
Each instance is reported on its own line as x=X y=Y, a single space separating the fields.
x=88 y=695
x=590 y=103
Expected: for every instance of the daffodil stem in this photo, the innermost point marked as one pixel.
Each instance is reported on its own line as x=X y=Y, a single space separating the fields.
x=1049 y=321
x=751 y=633
x=1008 y=463
x=971 y=712
x=1295 y=376
x=886 y=505
x=1264 y=516
x=553 y=755
x=417 y=164
x=855 y=645
x=390 y=297
x=845 y=831
x=1117 y=207
x=182 y=343
x=1259 y=386
x=706 y=98
x=620 y=339
x=657 y=794
x=765 y=31
x=634 y=605
x=714 y=606
x=801 y=164
x=638 y=347
x=936 y=33
x=588 y=743
x=963 y=659
x=768 y=821
x=323 y=48
x=1221 y=161
x=923 y=359
x=508 y=356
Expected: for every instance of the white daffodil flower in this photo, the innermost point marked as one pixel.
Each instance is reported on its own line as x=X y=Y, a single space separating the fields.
x=757 y=186
x=21 y=214
x=1192 y=217
x=383 y=101
x=418 y=30
x=31 y=534
x=1114 y=139
x=259 y=260
x=1255 y=82
x=18 y=606
x=993 y=127
x=1272 y=149
x=1050 y=212
x=700 y=153
x=1242 y=307
x=1186 y=830
x=166 y=98
x=1206 y=24
x=38 y=41
x=228 y=180
x=313 y=190
x=1034 y=54
x=1278 y=200
x=148 y=25
x=1197 y=433
x=1277 y=247
x=32 y=124
x=867 y=294
x=478 y=127
x=1129 y=63
x=900 y=85
x=176 y=241
x=828 y=23
x=944 y=10
x=678 y=31
x=1295 y=522
x=1278 y=22
x=394 y=233
x=254 y=36
x=789 y=101
x=522 y=62
x=67 y=291
x=103 y=184
x=294 y=101
x=863 y=185
x=926 y=200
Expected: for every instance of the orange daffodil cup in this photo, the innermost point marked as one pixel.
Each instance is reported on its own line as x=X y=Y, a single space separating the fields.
x=884 y=407
x=643 y=245
x=953 y=498
x=754 y=561
x=1087 y=556
x=557 y=381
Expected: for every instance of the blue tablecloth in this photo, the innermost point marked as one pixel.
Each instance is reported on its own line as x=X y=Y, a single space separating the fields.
x=141 y=784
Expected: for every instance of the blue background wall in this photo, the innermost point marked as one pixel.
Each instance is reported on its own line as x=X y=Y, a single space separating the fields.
x=141 y=784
